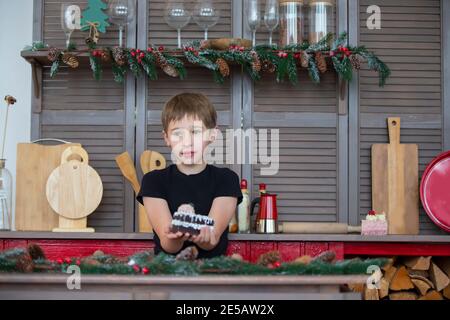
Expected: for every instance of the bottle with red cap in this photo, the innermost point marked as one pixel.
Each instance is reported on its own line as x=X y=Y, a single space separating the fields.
x=244 y=209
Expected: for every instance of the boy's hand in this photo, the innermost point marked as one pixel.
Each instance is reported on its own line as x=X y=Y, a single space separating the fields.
x=177 y=235
x=206 y=239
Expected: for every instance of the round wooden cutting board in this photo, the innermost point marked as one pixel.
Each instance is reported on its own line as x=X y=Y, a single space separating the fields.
x=74 y=189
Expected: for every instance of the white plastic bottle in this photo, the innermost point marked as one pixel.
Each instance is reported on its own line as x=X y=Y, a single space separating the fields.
x=244 y=209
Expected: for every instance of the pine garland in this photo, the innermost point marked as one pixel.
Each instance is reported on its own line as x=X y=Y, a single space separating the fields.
x=283 y=60
x=147 y=263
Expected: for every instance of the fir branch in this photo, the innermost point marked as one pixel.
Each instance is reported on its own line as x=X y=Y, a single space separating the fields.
x=95 y=67
x=177 y=64
x=340 y=41
x=343 y=67
x=313 y=71
x=323 y=44
x=119 y=73
x=55 y=68
x=292 y=69
x=200 y=60
x=148 y=64
x=282 y=69
x=133 y=65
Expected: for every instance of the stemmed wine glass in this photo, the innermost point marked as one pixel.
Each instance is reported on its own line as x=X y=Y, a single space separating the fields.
x=177 y=17
x=70 y=20
x=253 y=17
x=271 y=17
x=121 y=13
x=206 y=15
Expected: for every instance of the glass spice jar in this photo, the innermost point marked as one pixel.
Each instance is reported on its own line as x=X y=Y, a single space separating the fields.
x=5 y=197
x=321 y=19
x=291 y=22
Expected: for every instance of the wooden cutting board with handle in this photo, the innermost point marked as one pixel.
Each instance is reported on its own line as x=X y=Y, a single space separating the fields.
x=395 y=182
x=74 y=190
x=34 y=164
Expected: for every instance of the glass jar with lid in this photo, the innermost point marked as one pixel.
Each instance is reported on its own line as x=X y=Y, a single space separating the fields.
x=321 y=19
x=291 y=22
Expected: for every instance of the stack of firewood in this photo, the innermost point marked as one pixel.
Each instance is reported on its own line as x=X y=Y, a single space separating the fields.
x=411 y=278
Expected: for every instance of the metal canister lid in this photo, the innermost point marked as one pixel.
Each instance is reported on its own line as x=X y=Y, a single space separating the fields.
x=291 y=1
x=324 y=2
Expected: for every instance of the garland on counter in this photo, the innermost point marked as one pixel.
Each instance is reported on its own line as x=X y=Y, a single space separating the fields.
x=32 y=259
x=284 y=62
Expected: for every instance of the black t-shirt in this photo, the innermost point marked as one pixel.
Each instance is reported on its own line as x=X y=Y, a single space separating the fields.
x=200 y=189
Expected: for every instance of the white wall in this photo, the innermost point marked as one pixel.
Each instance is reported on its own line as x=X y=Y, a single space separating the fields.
x=16 y=30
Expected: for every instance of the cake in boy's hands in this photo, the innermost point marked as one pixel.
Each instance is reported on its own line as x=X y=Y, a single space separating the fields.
x=374 y=224
x=185 y=220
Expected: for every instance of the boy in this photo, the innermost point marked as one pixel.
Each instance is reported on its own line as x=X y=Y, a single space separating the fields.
x=189 y=126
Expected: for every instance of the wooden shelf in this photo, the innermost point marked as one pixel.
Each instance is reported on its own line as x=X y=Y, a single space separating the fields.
x=234 y=237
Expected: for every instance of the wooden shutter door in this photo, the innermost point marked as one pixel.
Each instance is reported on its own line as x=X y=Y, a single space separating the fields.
x=77 y=108
x=410 y=42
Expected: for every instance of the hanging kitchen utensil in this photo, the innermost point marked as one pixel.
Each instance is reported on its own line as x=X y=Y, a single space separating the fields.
x=152 y=160
x=34 y=164
x=395 y=182
x=74 y=190
x=434 y=190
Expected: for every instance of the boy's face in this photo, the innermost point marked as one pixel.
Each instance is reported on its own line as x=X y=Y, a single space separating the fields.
x=188 y=139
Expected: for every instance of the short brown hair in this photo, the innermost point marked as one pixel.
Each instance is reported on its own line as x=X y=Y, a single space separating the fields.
x=189 y=104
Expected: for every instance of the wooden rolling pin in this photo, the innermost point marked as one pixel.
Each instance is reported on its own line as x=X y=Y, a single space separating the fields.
x=317 y=227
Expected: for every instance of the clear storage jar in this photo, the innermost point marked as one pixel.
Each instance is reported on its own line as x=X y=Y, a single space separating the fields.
x=5 y=197
x=321 y=19
x=291 y=22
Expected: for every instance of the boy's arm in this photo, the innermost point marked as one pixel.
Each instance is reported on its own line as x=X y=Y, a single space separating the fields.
x=222 y=210
x=160 y=218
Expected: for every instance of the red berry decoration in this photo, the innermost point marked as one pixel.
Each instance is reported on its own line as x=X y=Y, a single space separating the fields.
x=138 y=51
x=276 y=264
x=139 y=60
x=59 y=261
x=161 y=48
x=372 y=212
x=145 y=270
x=142 y=55
x=78 y=262
x=136 y=268
x=149 y=49
x=297 y=55
x=133 y=53
x=67 y=260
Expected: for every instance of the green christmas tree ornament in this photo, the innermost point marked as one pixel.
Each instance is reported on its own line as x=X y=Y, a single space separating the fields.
x=94 y=15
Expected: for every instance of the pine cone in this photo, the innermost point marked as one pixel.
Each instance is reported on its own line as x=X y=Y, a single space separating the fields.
x=160 y=60
x=256 y=63
x=269 y=257
x=170 y=70
x=304 y=59
x=119 y=56
x=53 y=54
x=224 y=68
x=321 y=62
x=36 y=252
x=355 y=60
x=268 y=66
x=24 y=263
x=326 y=256
x=188 y=254
x=70 y=60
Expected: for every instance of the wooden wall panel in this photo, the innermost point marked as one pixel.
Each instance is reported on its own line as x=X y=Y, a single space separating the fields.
x=410 y=42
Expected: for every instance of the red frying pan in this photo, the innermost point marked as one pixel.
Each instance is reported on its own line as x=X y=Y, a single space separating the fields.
x=435 y=190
